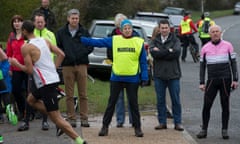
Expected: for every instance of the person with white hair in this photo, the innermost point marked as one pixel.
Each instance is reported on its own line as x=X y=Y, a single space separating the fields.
x=219 y=58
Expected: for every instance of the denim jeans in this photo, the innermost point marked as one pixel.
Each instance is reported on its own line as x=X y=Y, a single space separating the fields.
x=173 y=86
x=120 y=110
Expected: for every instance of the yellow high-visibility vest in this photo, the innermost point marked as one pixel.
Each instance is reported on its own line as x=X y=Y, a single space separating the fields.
x=185 y=26
x=126 y=53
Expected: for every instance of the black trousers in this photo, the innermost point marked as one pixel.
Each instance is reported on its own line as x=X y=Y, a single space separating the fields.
x=212 y=87
x=19 y=83
x=186 y=40
x=4 y=101
x=132 y=95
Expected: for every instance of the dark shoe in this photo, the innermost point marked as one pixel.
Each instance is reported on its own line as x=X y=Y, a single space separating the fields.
x=202 y=134
x=119 y=125
x=225 y=134
x=103 y=131
x=32 y=117
x=59 y=131
x=179 y=127
x=45 y=126
x=84 y=123
x=23 y=127
x=161 y=126
x=138 y=132
x=38 y=115
x=73 y=123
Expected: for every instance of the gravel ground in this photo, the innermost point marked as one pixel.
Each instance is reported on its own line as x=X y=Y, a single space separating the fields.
x=123 y=135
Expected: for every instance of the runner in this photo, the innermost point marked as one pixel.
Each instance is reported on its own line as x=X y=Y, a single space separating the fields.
x=39 y=64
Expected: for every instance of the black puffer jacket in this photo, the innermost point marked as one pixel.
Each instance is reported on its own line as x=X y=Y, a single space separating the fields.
x=166 y=62
x=75 y=52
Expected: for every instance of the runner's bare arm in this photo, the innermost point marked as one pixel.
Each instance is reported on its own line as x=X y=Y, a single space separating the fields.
x=59 y=53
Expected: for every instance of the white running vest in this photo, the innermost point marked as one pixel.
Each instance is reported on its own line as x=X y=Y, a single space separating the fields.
x=44 y=70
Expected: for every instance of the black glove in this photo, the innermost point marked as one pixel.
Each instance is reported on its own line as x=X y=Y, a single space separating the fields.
x=144 y=83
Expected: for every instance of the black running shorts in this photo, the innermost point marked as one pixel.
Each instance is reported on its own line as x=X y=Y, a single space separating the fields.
x=48 y=94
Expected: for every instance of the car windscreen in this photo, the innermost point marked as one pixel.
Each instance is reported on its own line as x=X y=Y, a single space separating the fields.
x=149 y=18
x=149 y=30
x=176 y=20
x=139 y=30
x=172 y=11
x=102 y=30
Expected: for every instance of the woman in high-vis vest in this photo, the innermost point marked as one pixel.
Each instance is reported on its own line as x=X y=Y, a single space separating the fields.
x=129 y=68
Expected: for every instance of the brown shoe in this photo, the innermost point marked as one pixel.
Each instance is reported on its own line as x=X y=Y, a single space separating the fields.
x=178 y=127
x=84 y=123
x=161 y=126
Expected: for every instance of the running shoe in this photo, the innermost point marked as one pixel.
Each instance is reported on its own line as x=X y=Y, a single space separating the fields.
x=79 y=140
x=12 y=117
x=23 y=127
x=1 y=139
x=59 y=131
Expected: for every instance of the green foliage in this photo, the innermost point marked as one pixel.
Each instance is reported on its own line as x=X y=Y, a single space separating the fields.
x=213 y=14
x=9 y=8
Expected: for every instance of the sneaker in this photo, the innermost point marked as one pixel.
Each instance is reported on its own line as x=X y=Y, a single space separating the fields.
x=59 y=131
x=23 y=127
x=84 y=123
x=45 y=126
x=79 y=140
x=1 y=139
x=12 y=117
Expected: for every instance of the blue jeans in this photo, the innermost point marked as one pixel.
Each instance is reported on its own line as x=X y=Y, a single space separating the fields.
x=120 y=109
x=174 y=90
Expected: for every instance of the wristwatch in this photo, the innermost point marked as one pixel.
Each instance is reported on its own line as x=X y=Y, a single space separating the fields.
x=170 y=50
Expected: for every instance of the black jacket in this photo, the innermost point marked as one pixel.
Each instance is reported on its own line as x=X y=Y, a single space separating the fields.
x=166 y=64
x=75 y=52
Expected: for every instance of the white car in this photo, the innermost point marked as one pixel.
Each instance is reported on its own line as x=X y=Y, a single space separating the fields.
x=98 y=60
x=148 y=26
x=236 y=8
